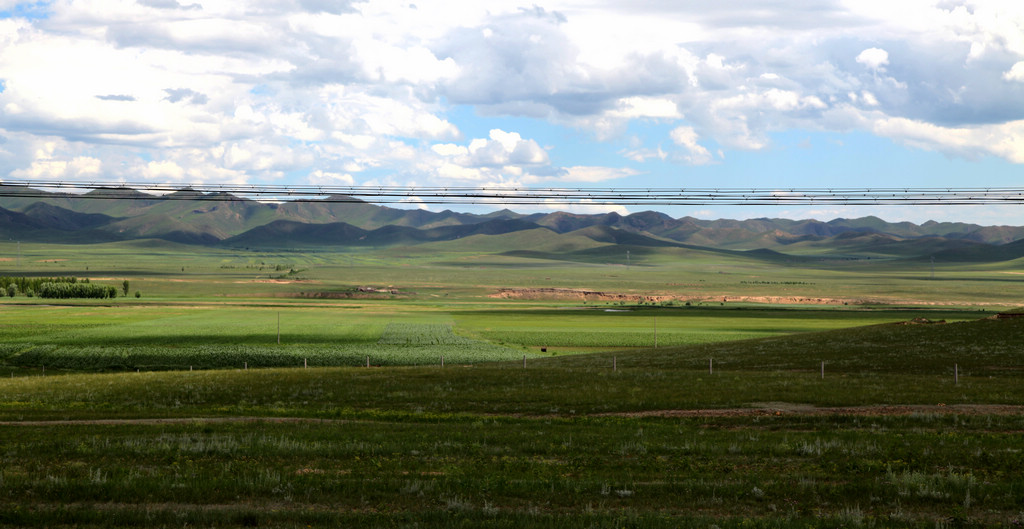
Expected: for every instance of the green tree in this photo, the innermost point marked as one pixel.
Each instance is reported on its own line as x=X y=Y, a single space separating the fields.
x=124 y=287
x=11 y=290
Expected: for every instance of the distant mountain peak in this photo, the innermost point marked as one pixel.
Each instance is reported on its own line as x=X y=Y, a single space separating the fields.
x=189 y=215
x=344 y=198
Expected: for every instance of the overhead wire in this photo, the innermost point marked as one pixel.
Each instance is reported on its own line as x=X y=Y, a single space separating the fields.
x=516 y=195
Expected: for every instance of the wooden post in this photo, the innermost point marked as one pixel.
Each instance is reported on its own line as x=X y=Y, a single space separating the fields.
x=305 y=363
x=823 y=370
x=711 y=366
x=442 y=360
x=614 y=366
x=367 y=361
x=524 y=361
x=246 y=365
x=956 y=374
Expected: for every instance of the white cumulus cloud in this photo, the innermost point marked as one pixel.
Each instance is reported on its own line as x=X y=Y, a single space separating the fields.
x=874 y=58
x=1016 y=73
x=693 y=152
x=253 y=90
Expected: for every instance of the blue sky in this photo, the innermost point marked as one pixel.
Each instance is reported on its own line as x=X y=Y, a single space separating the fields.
x=767 y=94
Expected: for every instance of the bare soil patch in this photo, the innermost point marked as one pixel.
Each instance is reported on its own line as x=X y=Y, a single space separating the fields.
x=597 y=295
x=575 y=294
x=273 y=281
x=354 y=293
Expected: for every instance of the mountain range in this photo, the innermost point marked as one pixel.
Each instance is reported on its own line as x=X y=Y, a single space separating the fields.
x=214 y=219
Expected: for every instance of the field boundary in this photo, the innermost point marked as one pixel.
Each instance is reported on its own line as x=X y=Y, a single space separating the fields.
x=171 y=420
x=772 y=409
x=785 y=408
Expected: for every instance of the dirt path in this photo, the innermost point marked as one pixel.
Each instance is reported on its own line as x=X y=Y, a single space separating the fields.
x=763 y=409
x=169 y=420
x=786 y=408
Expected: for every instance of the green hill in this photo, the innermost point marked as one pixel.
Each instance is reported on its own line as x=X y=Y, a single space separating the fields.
x=195 y=217
x=611 y=235
x=541 y=240
x=291 y=234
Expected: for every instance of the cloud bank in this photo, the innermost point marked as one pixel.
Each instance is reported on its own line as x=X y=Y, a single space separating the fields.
x=313 y=91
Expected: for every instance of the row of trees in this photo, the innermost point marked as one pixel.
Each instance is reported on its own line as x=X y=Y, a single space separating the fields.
x=58 y=288
x=75 y=290
x=31 y=284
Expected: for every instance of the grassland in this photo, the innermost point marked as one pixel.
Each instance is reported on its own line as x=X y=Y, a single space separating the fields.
x=883 y=440
x=744 y=415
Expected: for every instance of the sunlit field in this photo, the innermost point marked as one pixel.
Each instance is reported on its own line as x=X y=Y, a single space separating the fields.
x=385 y=389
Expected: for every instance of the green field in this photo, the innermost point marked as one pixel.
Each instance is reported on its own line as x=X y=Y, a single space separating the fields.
x=155 y=336
x=234 y=392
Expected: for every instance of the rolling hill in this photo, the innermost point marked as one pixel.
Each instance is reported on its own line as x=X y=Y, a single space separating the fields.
x=192 y=217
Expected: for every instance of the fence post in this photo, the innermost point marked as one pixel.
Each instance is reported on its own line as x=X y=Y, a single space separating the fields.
x=442 y=360
x=823 y=370
x=614 y=366
x=956 y=374
x=711 y=366
x=524 y=361
x=367 y=361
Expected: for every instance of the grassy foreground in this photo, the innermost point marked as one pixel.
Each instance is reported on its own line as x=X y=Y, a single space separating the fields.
x=911 y=426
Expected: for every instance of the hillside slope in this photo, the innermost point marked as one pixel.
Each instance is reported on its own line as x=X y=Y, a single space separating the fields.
x=193 y=217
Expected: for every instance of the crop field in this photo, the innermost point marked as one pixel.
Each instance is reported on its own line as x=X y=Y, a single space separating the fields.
x=235 y=392
x=163 y=271
x=643 y=327
x=160 y=337
x=100 y=338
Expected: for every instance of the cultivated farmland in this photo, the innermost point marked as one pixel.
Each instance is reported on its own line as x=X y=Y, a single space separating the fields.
x=233 y=393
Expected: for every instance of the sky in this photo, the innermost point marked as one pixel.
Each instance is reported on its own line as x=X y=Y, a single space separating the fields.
x=766 y=94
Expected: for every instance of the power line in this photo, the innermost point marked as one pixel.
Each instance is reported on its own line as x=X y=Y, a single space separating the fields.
x=496 y=195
